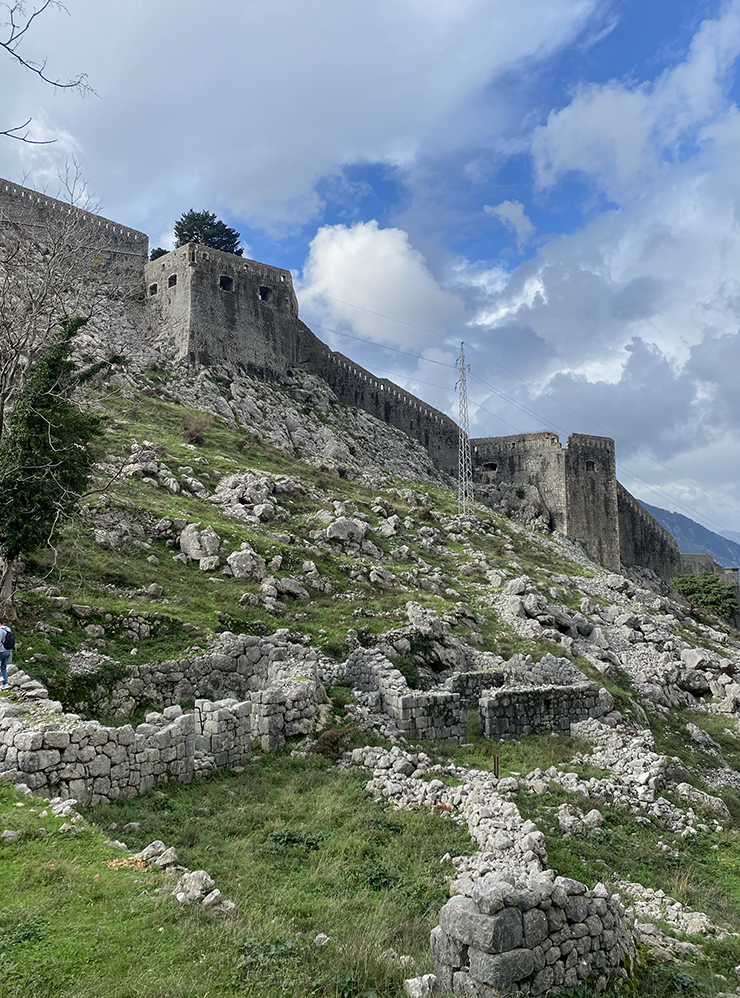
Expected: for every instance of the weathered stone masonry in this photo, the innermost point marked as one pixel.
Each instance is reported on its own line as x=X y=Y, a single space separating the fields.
x=512 y=713
x=436 y=716
x=93 y=763
x=525 y=939
x=104 y=246
x=578 y=484
x=278 y=676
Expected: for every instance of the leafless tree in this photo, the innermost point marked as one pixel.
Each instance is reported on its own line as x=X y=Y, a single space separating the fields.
x=17 y=21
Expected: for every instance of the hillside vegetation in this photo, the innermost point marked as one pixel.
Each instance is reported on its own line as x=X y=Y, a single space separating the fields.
x=294 y=840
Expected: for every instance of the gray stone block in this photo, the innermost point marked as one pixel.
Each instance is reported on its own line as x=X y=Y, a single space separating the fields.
x=535 y=927
x=501 y=969
x=447 y=950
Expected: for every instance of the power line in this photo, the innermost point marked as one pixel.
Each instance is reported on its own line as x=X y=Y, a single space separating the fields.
x=512 y=401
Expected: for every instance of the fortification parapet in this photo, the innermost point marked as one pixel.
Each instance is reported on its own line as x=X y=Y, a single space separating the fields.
x=207 y=307
x=643 y=541
x=536 y=459
x=104 y=247
x=204 y=307
x=383 y=399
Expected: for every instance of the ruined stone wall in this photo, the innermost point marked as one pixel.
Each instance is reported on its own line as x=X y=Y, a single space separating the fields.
x=470 y=685
x=528 y=937
x=436 y=716
x=384 y=400
x=643 y=541
x=512 y=713
x=591 y=497
x=277 y=675
x=94 y=764
x=105 y=248
x=535 y=459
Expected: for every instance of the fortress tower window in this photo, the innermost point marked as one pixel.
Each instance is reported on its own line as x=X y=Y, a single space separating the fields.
x=172 y=280
x=153 y=289
x=264 y=293
x=282 y=277
x=225 y=283
x=590 y=466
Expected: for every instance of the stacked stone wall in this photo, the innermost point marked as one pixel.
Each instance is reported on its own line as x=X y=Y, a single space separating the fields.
x=511 y=713
x=643 y=541
x=103 y=245
x=93 y=763
x=528 y=938
x=470 y=685
x=277 y=675
x=434 y=716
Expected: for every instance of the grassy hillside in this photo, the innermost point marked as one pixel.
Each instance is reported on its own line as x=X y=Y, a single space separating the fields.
x=295 y=842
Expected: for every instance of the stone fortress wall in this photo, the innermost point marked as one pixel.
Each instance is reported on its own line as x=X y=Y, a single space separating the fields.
x=208 y=308
x=578 y=484
x=105 y=247
x=205 y=307
x=645 y=543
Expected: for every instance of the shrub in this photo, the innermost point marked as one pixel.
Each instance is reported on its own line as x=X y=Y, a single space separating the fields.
x=195 y=429
x=708 y=591
x=332 y=743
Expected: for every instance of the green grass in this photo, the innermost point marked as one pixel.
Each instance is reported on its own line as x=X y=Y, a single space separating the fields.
x=518 y=757
x=298 y=845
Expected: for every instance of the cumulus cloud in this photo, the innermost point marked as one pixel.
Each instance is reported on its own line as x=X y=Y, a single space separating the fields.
x=380 y=275
x=629 y=324
x=511 y=214
x=244 y=106
x=363 y=284
x=618 y=133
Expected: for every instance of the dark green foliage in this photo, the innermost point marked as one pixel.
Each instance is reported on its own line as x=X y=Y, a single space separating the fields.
x=45 y=461
x=332 y=743
x=205 y=228
x=157 y=252
x=708 y=591
x=286 y=840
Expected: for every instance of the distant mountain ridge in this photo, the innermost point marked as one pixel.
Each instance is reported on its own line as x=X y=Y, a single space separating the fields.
x=694 y=539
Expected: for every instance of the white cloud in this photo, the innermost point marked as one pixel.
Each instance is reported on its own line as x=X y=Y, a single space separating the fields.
x=621 y=134
x=396 y=303
x=242 y=107
x=511 y=214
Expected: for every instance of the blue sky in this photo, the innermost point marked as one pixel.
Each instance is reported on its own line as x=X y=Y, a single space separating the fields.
x=554 y=182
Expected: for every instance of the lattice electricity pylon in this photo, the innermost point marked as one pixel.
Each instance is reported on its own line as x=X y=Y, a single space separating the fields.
x=465 y=468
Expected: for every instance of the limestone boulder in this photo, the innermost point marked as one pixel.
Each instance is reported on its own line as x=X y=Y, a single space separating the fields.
x=247 y=564
x=346 y=530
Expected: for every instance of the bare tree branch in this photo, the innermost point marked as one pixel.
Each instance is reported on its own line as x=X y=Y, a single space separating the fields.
x=52 y=269
x=10 y=134
x=14 y=30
